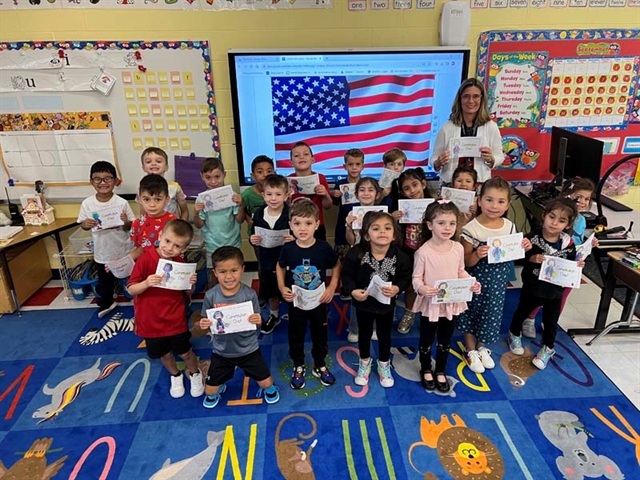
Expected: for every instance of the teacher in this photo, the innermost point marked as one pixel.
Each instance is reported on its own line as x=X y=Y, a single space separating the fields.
x=469 y=118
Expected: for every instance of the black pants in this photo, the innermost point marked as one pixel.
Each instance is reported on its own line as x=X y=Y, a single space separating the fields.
x=321 y=233
x=550 y=314
x=443 y=330
x=319 y=329
x=105 y=288
x=383 y=322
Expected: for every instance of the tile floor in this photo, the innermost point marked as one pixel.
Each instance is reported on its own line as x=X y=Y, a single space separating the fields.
x=617 y=355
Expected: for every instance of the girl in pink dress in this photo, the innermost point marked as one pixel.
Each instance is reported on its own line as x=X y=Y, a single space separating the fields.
x=439 y=259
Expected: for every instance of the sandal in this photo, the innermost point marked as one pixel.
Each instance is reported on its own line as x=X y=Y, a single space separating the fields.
x=429 y=385
x=443 y=387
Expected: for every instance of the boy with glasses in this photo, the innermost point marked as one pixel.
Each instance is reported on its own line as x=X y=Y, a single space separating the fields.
x=108 y=243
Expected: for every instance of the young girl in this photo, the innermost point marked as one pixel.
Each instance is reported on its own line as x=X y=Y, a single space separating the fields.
x=413 y=186
x=550 y=240
x=466 y=178
x=480 y=324
x=440 y=258
x=376 y=255
x=580 y=191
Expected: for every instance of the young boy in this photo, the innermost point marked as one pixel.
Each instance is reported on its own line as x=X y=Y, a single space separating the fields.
x=304 y=263
x=272 y=216
x=161 y=313
x=252 y=198
x=153 y=195
x=110 y=243
x=155 y=160
x=302 y=160
x=393 y=159
x=220 y=227
x=234 y=350
x=353 y=164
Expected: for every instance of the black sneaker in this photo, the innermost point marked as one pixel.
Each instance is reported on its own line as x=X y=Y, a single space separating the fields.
x=326 y=377
x=297 y=377
x=270 y=324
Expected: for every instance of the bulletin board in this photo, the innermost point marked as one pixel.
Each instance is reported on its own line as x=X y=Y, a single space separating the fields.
x=580 y=80
x=54 y=124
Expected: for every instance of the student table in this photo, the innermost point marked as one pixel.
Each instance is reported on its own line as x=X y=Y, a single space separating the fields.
x=30 y=235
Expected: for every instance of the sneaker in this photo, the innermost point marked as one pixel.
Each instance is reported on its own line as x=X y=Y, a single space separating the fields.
x=197 y=385
x=384 y=371
x=529 y=328
x=352 y=338
x=210 y=401
x=297 y=377
x=543 y=357
x=474 y=362
x=515 y=344
x=270 y=397
x=485 y=358
x=262 y=302
x=364 y=369
x=177 y=386
x=374 y=336
x=105 y=311
x=270 y=324
x=326 y=377
x=406 y=322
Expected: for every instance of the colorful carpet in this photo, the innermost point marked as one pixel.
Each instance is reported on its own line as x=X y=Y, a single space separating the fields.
x=79 y=399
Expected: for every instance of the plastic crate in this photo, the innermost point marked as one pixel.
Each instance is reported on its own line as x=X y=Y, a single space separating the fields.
x=82 y=241
x=86 y=284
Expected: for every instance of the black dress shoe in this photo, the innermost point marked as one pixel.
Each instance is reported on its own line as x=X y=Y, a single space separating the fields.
x=443 y=387
x=429 y=385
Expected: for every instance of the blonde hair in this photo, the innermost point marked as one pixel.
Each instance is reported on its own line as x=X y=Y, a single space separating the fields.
x=482 y=116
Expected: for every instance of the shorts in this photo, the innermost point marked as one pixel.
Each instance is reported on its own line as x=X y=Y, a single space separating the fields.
x=268 y=285
x=222 y=368
x=179 y=344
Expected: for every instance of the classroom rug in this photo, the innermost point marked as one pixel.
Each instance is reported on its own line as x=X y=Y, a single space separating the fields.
x=79 y=399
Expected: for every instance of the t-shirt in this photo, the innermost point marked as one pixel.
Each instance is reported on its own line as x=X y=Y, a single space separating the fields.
x=220 y=228
x=159 y=312
x=577 y=231
x=175 y=195
x=307 y=267
x=343 y=212
x=251 y=201
x=145 y=231
x=317 y=199
x=239 y=343
x=111 y=243
x=476 y=234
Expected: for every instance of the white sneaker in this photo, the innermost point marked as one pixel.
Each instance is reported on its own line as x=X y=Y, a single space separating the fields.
x=474 y=362
x=177 y=386
x=352 y=338
x=197 y=385
x=106 y=311
x=515 y=344
x=364 y=370
x=384 y=372
x=529 y=328
x=485 y=358
x=374 y=336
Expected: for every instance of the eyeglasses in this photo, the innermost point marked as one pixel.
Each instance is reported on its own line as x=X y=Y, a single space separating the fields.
x=99 y=180
x=468 y=96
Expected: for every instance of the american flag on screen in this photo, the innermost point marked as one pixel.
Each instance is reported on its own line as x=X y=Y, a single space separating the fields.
x=335 y=113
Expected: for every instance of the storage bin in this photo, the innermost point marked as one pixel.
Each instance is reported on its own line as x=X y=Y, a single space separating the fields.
x=87 y=282
x=82 y=241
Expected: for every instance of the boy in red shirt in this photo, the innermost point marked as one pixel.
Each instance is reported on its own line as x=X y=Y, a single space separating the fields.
x=161 y=313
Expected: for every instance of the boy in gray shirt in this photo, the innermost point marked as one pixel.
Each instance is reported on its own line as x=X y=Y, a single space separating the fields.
x=238 y=349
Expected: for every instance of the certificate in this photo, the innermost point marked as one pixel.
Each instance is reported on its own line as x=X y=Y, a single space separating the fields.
x=108 y=217
x=463 y=199
x=584 y=250
x=348 y=193
x=122 y=267
x=217 y=198
x=413 y=210
x=304 y=185
x=175 y=275
x=360 y=212
x=375 y=290
x=505 y=248
x=560 y=271
x=271 y=238
x=307 y=299
x=465 y=146
x=454 y=290
x=231 y=318
x=387 y=177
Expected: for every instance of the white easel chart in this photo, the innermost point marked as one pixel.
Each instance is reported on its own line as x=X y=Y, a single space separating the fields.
x=162 y=94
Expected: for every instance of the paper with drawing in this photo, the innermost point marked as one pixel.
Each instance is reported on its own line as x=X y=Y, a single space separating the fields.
x=465 y=146
x=217 y=198
x=307 y=299
x=505 y=248
x=413 y=210
x=360 y=212
x=348 y=193
x=375 y=290
x=108 y=217
x=560 y=271
x=454 y=290
x=387 y=177
x=122 y=267
x=584 y=249
x=231 y=318
x=175 y=275
x=304 y=185
x=271 y=238
x=463 y=199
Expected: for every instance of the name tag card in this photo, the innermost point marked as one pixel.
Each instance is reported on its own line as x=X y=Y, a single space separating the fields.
x=231 y=319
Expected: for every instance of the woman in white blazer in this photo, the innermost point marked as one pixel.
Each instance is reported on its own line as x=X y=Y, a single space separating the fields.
x=469 y=118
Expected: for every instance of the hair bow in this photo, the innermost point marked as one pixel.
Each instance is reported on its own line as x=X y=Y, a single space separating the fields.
x=443 y=201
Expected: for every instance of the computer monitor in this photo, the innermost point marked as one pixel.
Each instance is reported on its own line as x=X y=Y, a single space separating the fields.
x=574 y=155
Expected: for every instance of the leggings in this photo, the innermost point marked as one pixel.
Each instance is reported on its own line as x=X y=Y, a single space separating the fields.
x=565 y=295
x=443 y=330
x=550 y=315
x=365 y=330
